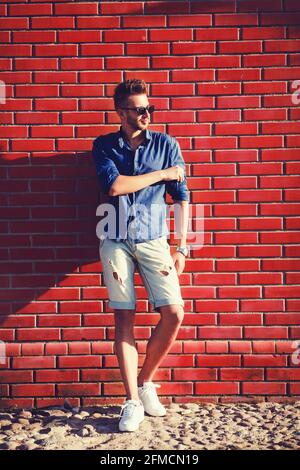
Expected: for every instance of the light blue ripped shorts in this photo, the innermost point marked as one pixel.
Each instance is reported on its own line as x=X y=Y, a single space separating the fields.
x=155 y=265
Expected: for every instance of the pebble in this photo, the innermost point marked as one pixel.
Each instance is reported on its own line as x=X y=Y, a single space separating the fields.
x=23 y=421
x=16 y=427
x=86 y=431
x=4 y=422
x=25 y=414
x=12 y=445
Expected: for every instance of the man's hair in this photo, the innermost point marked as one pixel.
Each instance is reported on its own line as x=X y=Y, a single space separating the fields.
x=127 y=88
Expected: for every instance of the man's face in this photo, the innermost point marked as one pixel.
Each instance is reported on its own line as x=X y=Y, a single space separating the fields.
x=131 y=118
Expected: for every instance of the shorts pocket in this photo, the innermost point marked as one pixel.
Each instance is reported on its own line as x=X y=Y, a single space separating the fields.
x=164 y=242
x=101 y=242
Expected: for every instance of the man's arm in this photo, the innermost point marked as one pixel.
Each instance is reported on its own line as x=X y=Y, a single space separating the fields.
x=130 y=184
x=181 y=222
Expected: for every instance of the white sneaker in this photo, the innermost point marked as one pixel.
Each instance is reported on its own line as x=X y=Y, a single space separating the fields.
x=132 y=414
x=149 y=398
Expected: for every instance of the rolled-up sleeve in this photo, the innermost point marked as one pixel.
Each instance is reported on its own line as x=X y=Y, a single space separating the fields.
x=106 y=169
x=178 y=190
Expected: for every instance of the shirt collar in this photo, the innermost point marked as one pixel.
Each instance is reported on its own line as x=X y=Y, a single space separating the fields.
x=122 y=140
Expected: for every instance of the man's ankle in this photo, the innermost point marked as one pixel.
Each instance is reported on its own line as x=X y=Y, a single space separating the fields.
x=133 y=398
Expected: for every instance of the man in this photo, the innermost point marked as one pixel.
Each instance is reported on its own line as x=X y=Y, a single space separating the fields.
x=136 y=167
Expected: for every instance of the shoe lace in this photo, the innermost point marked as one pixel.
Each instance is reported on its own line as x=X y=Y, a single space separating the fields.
x=128 y=408
x=151 y=389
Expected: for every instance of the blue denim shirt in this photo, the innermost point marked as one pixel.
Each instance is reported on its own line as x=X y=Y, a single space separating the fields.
x=141 y=215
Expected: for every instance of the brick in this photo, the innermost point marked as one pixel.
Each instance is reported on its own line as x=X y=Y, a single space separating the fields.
x=33 y=362
x=217 y=116
x=240 y=346
x=79 y=361
x=190 y=20
x=283 y=374
x=56 y=104
x=195 y=374
x=216 y=347
x=172 y=62
x=241 y=375
x=78 y=36
x=281 y=127
x=81 y=118
x=265 y=87
x=55 y=50
x=14 y=23
x=49 y=22
x=263 y=33
x=127 y=62
x=28 y=9
x=76 y=9
x=96 y=77
x=261 y=141
x=215 y=142
x=213 y=34
x=33 y=390
x=173 y=116
x=145 y=21
x=220 y=332
x=36 y=64
x=238 y=74
x=260 y=5
x=215 y=388
x=12 y=50
x=264 y=115
x=237 y=128
x=101 y=22
x=166 y=7
x=15 y=376
x=223 y=61
x=34 y=36
x=240 y=319
x=36 y=90
x=57 y=376
x=81 y=63
x=121 y=8
x=171 y=35
x=128 y=35
x=238 y=102
x=262 y=388
x=236 y=19
x=282 y=73
x=242 y=47
x=279 y=18
x=191 y=76
x=100 y=49
x=148 y=49
x=271 y=360
x=192 y=102
x=81 y=90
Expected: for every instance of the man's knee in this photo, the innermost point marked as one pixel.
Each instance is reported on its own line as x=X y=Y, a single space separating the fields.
x=172 y=313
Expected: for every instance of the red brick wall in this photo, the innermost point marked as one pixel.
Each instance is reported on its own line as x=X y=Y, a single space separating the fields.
x=221 y=74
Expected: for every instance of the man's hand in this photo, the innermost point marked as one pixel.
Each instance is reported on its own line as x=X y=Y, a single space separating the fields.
x=179 y=262
x=173 y=173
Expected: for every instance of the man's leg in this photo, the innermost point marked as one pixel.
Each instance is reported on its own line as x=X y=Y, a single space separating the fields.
x=126 y=351
x=161 y=340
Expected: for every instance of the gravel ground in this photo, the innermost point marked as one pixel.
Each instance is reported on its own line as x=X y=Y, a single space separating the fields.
x=249 y=426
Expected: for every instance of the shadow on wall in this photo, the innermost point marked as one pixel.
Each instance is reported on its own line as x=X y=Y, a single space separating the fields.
x=49 y=244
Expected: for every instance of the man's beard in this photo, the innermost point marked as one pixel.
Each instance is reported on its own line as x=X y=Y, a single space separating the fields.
x=138 y=124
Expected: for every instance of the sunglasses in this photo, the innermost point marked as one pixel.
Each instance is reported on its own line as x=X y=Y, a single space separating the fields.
x=142 y=109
